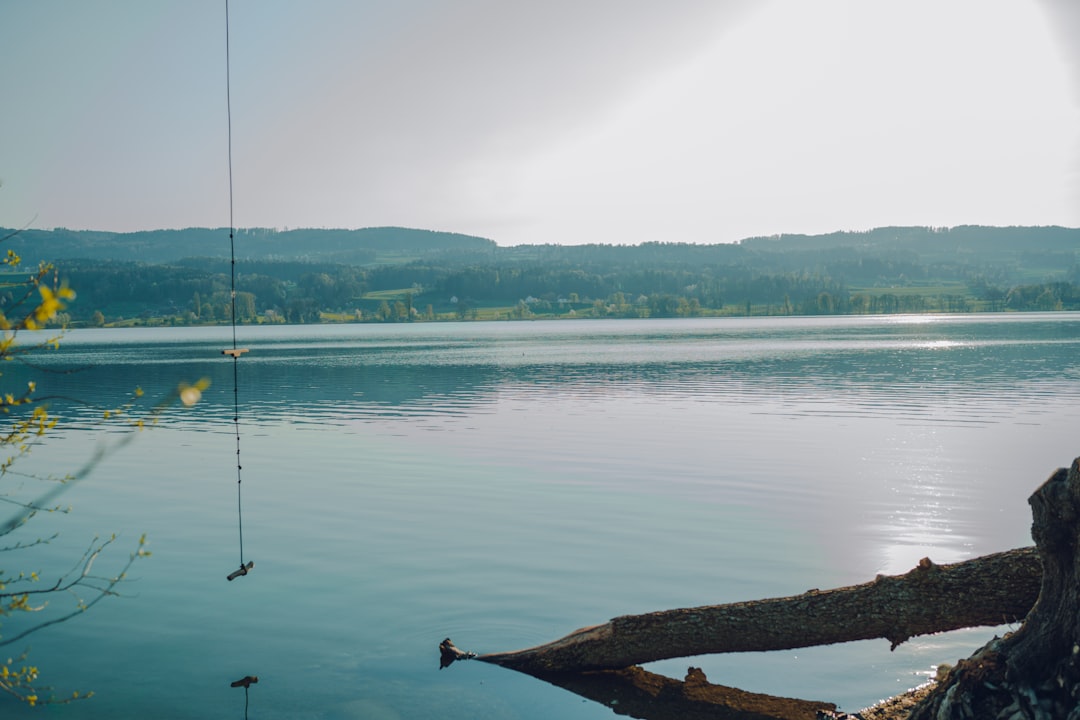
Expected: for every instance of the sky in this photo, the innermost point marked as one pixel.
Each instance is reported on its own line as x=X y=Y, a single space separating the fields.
x=563 y=121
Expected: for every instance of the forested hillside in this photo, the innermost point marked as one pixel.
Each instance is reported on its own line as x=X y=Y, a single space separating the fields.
x=357 y=247
x=397 y=274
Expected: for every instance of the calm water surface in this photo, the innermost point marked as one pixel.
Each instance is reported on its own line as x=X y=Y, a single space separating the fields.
x=505 y=483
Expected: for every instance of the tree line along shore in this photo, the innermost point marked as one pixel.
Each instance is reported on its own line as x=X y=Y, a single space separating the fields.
x=182 y=277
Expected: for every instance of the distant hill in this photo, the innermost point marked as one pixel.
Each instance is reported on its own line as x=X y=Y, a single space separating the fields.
x=971 y=246
x=396 y=274
x=349 y=247
x=989 y=244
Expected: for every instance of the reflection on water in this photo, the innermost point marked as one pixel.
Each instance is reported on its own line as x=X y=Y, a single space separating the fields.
x=638 y=693
x=245 y=682
x=846 y=367
x=504 y=483
x=923 y=524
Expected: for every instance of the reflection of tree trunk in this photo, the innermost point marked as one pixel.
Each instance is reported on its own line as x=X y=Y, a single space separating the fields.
x=987 y=591
x=642 y=694
x=1033 y=673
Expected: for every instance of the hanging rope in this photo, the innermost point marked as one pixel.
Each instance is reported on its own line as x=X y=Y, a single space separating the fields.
x=235 y=352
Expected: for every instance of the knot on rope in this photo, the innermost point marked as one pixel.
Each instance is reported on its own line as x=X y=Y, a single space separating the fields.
x=243 y=570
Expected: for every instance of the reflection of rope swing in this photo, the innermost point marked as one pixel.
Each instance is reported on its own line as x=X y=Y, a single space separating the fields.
x=245 y=682
x=234 y=352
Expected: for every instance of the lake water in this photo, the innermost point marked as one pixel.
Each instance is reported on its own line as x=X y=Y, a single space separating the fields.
x=505 y=483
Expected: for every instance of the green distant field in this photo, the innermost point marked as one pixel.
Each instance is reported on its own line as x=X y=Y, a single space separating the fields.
x=946 y=288
x=389 y=295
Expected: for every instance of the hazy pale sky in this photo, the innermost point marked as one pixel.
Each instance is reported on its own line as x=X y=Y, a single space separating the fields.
x=564 y=121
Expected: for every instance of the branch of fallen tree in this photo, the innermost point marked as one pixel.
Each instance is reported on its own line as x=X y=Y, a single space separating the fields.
x=987 y=591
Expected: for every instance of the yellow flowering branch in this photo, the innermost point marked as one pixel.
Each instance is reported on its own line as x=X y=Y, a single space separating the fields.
x=35 y=302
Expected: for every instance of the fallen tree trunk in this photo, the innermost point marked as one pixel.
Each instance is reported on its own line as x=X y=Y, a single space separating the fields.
x=985 y=591
x=1033 y=673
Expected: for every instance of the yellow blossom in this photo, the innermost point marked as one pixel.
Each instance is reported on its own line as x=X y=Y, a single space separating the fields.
x=51 y=303
x=191 y=394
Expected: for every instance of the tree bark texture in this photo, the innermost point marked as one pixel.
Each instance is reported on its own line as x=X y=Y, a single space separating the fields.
x=986 y=591
x=1033 y=673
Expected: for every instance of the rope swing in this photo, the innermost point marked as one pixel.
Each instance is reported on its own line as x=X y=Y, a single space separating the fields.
x=234 y=352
